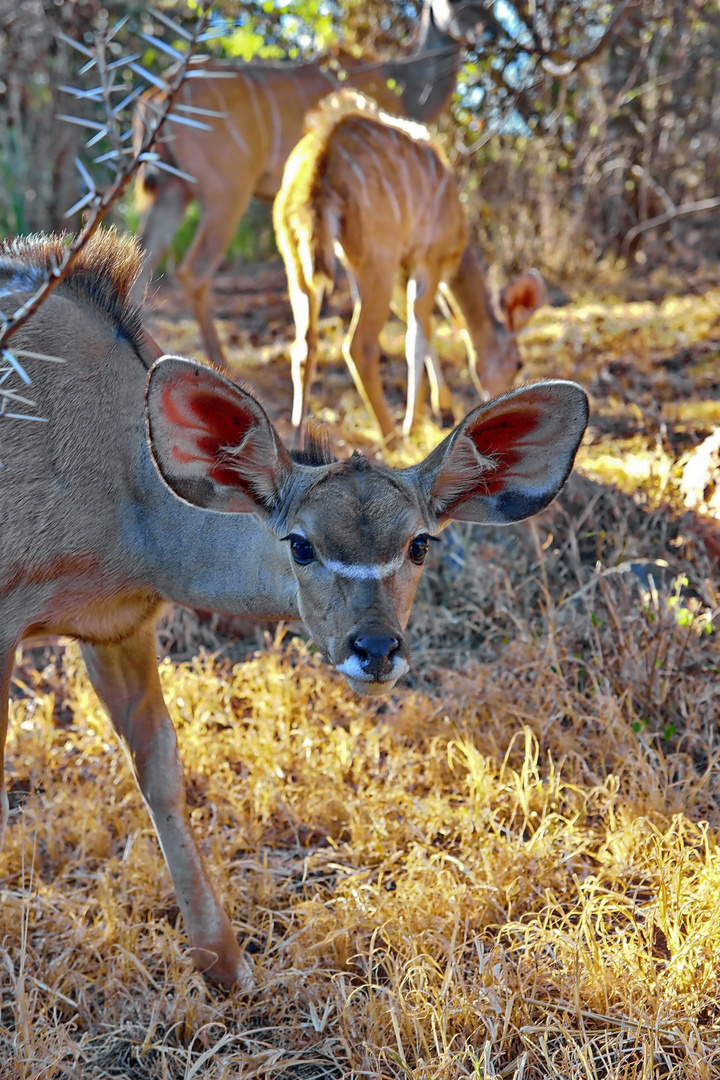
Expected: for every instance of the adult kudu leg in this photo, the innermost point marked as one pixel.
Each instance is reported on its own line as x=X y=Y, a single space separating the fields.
x=161 y=221
x=220 y=214
x=126 y=680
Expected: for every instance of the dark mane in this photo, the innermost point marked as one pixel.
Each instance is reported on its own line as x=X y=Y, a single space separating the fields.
x=103 y=275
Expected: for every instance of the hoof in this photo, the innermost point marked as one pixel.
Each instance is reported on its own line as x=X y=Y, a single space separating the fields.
x=233 y=974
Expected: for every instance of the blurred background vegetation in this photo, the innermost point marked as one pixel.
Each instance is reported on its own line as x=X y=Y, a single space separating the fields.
x=567 y=151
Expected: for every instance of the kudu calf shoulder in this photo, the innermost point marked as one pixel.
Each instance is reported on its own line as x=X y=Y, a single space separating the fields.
x=254 y=114
x=371 y=190
x=156 y=479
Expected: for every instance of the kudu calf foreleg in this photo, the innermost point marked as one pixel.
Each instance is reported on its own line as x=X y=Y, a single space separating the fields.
x=306 y=301
x=420 y=354
x=126 y=680
x=372 y=293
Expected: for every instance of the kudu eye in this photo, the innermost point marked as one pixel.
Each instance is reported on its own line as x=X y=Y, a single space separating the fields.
x=419 y=549
x=302 y=550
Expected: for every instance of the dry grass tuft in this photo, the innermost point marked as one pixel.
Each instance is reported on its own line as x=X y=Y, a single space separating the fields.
x=508 y=868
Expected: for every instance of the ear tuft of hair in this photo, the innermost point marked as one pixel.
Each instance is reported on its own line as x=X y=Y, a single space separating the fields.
x=317 y=450
x=358 y=462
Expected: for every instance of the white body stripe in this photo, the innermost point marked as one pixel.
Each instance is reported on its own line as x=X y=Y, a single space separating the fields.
x=257 y=111
x=439 y=193
x=276 y=125
x=357 y=170
x=235 y=134
x=391 y=196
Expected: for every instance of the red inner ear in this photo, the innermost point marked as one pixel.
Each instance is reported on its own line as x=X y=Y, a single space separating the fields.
x=520 y=299
x=500 y=440
x=204 y=423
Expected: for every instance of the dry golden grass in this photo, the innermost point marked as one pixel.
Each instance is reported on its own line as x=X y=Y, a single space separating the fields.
x=508 y=868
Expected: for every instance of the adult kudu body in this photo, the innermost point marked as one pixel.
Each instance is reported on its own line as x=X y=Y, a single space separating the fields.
x=371 y=191
x=263 y=107
x=174 y=486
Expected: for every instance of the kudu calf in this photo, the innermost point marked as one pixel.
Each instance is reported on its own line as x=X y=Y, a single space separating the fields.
x=369 y=190
x=256 y=113
x=156 y=479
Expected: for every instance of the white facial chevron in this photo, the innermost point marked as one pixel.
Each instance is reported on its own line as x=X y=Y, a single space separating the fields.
x=364 y=571
x=359 y=571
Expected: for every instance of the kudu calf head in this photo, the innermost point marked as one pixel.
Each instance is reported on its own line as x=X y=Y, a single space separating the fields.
x=491 y=342
x=357 y=531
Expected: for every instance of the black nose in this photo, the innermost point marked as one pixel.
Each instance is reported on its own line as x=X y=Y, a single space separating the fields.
x=375 y=652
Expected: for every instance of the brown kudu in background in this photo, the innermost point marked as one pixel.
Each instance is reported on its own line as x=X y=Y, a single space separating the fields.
x=174 y=486
x=263 y=106
x=371 y=191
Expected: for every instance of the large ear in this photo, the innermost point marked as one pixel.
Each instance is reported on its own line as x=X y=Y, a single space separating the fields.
x=521 y=299
x=213 y=444
x=507 y=459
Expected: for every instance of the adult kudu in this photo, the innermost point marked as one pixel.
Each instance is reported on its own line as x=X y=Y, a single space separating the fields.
x=156 y=479
x=263 y=106
x=371 y=191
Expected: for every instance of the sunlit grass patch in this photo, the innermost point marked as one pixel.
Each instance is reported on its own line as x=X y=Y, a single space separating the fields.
x=509 y=867
x=613 y=327
x=640 y=466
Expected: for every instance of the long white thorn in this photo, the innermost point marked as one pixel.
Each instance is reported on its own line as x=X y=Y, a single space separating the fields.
x=39 y=356
x=117 y=28
x=126 y=100
x=168 y=168
x=94 y=95
x=171 y=25
x=10 y=359
x=90 y=183
x=73 y=43
x=97 y=136
x=201 y=112
x=13 y=395
x=81 y=122
x=80 y=204
x=172 y=116
x=148 y=75
x=123 y=61
x=160 y=44
x=214 y=74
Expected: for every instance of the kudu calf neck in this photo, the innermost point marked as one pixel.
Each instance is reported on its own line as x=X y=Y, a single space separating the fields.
x=371 y=191
x=256 y=113
x=156 y=479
